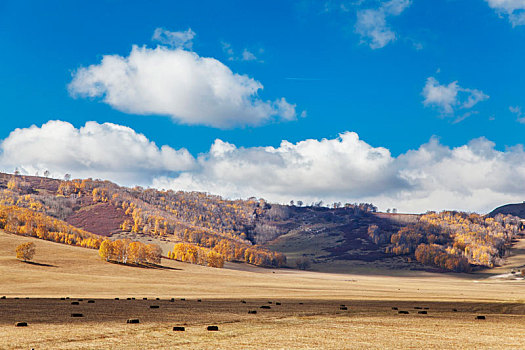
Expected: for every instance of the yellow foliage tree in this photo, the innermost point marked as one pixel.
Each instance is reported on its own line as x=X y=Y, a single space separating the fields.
x=137 y=252
x=26 y=251
x=106 y=250
x=154 y=253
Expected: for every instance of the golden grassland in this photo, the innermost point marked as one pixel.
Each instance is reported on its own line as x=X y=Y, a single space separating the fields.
x=309 y=317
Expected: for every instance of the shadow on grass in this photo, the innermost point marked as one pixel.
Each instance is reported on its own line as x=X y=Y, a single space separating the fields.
x=145 y=266
x=38 y=264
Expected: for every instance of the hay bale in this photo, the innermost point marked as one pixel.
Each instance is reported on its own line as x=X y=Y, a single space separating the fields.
x=213 y=328
x=179 y=329
x=402 y=312
x=343 y=308
x=75 y=303
x=253 y=312
x=91 y=301
x=77 y=315
x=153 y=306
x=266 y=307
x=422 y=312
x=133 y=320
x=21 y=324
x=480 y=317
x=394 y=308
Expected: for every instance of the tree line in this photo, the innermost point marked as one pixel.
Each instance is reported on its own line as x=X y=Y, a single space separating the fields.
x=26 y=222
x=452 y=240
x=130 y=252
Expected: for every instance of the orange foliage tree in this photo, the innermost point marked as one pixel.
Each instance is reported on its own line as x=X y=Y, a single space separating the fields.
x=25 y=251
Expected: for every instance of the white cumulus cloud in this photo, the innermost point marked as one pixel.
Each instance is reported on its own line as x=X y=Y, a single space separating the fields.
x=449 y=98
x=513 y=9
x=372 y=24
x=107 y=151
x=473 y=177
x=181 y=84
x=310 y=168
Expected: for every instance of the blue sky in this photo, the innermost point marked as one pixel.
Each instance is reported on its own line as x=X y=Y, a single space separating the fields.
x=336 y=66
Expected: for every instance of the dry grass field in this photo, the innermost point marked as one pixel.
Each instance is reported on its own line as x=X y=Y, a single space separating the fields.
x=309 y=316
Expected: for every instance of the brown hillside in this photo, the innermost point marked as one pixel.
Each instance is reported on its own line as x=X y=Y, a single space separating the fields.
x=101 y=218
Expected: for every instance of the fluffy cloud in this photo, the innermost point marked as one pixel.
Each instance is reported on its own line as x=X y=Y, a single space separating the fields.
x=181 y=84
x=174 y=39
x=310 y=168
x=473 y=177
x=107 y=151
x=513 y=9
x=372 y=23
x=450 y=97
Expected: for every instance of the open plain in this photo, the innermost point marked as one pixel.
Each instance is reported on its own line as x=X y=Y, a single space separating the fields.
x=309 y=315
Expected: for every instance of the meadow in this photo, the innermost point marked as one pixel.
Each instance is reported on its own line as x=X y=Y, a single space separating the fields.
x=309 y=317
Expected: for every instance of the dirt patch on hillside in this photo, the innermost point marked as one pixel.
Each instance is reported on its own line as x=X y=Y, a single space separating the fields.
x=101 y=219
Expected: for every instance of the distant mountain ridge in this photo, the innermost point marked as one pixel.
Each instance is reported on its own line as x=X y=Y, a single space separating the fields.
x=516 y=209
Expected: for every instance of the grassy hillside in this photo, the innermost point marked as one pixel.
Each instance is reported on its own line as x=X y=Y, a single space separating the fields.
x=62 y=270
x=309 y=314
x=312 y=237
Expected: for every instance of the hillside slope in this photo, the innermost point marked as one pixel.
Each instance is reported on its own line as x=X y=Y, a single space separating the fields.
x=63 y=270
x=342 y=237
x=517 y=209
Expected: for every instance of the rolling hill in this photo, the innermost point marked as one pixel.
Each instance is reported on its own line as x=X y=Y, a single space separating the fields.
x=517 y=209
x=339 y=238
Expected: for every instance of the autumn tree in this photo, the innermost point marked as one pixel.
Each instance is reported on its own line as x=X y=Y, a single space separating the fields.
x=137 y=252
x=153 y=253
x=120 y=250
x=215 y=259
x=25 y=251
x=106 y=250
